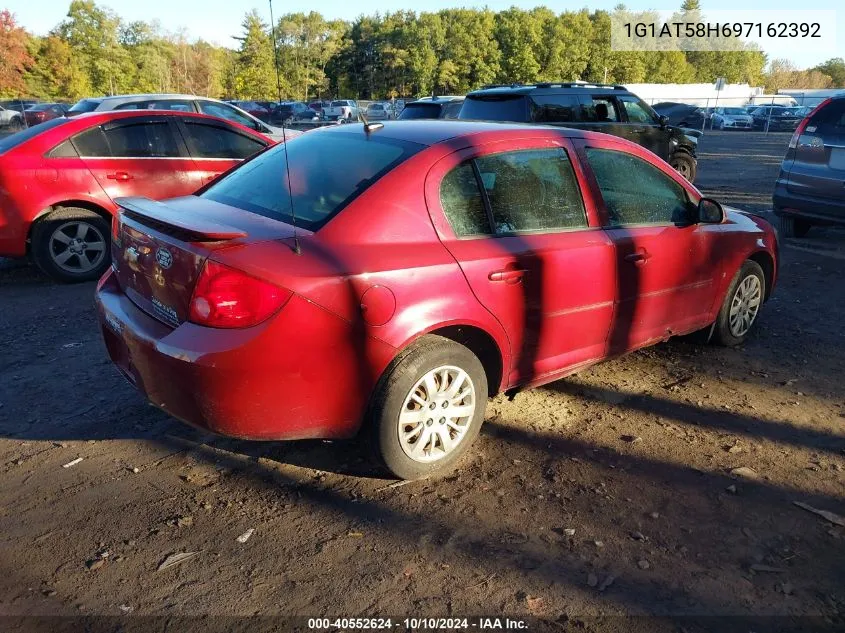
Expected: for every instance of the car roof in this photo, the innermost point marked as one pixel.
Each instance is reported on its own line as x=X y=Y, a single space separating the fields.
x=434 y=131
x=548 y=88
x=437 y=99
x=115 y=115
x=150 y=97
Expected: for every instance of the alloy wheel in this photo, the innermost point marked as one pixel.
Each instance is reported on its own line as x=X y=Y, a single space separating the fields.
x=77 y=247
x=745 y=305
x=437 y=414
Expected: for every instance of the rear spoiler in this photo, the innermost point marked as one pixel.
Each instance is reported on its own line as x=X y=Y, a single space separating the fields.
x=159 y=215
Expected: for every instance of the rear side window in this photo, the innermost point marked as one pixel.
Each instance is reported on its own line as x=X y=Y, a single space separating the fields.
x=211 y=141
x=63 y=150
x=260 y=185
x=636 y=192
x=555 y=108
x=142 y=140
x=527 y=191
x=92 y=143
x=600 y=109
x=462 y=203
x=498 y=108
x=170 y=104
x=532 y=190
x=452 y=110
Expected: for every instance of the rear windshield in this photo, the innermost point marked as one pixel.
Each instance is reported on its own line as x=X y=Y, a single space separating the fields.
x=16 y=139
x=85 y=105
x=421 y=111
x=39 y=107
x=499 y=108
x=337 y=104
x=260 y=185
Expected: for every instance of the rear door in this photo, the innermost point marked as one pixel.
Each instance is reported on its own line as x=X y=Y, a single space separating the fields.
x=139 y=156
x=512 y=215
x=818 y=167
x=666 y=265
x=215 y=147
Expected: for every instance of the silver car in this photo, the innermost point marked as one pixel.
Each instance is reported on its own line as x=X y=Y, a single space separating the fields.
x=731 y=119
x=181 y=103
x=379 y=111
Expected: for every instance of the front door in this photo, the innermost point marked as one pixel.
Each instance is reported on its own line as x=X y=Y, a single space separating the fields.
x=513 y=217
x=643 y=128
x=137 y=157
x=665 y=261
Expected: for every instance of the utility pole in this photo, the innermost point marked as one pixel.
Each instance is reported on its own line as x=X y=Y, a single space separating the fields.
x=275 y=53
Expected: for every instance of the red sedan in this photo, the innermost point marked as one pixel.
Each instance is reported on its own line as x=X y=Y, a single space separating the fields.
x=446 y=262
x=59 y=179
x=41 y=112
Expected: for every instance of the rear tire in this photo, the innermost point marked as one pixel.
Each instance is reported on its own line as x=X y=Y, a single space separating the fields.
x=72 y=244
x=741 y=306
x=788 y=226
x=684 y=164
x=434 y=378
x=16 y=124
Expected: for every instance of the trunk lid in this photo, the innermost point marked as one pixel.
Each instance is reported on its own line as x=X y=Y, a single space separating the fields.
x=160 y=248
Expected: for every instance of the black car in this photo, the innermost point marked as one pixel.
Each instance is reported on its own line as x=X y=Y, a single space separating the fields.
x=598 y=107
x=432 y=108
x=284 y=113
x=776 y=118
x=682 y=114
x=810 y=189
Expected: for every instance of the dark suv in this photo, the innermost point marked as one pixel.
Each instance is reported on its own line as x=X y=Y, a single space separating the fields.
x=811 y=186
x=432 y=108
x=602 y=108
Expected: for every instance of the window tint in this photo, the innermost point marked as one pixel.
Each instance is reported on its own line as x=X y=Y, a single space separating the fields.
x=831 y=118
x=555 y=108
x=261 y=184
x=504 y=108
x=63 y=150
x=211 y=141
x=142 y=140
x=533 y=190
x=600 y=109
x=225 y=112
x=637 y=111
x=462 y=203
x=636 y=192
x=91 y=143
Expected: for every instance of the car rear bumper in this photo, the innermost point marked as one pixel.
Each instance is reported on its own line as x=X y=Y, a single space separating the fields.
x=297 y=375
x=820 y=210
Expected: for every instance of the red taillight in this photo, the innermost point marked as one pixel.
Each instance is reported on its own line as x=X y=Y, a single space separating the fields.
x=115 y=228
x=227 y=298
x=793 y=142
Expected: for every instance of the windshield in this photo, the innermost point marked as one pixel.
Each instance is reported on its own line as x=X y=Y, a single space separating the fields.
x=84 y=105
x=420 y=111
x=260 y=185
x=499 y=108
x=16 y=139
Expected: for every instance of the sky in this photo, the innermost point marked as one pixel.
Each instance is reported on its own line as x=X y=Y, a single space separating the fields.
x=218 y=20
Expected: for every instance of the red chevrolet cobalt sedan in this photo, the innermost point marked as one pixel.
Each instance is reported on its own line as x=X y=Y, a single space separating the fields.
x=59 y=179
x=446 y=261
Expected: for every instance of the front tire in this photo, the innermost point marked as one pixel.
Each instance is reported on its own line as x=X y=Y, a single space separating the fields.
x=684 y=164
x=428 y=408
x=16 y=124
x=72 y=244
x=741 y=306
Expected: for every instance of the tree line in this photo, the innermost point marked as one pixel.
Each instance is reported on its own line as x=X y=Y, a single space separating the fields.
x=94 y=52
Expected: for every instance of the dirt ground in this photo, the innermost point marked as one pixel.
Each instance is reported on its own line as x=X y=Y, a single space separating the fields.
x=604 y=494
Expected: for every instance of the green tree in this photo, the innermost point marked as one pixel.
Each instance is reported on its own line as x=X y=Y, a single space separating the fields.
x=835 y=69
x=255 y=75
x=57 y=73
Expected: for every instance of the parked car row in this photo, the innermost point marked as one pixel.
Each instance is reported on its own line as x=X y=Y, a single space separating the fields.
x=15 y=114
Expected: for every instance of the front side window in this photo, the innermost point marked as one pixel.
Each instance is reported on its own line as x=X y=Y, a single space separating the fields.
x=212 y=141
x=637 y=110
x=526 y=191
x=555 y=108
x=260 y=185
x=636 y=192
x=142 y=140
x=600 y=109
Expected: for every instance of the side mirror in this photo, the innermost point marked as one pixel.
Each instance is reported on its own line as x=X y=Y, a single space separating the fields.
x=710 y=211
x=664 y=120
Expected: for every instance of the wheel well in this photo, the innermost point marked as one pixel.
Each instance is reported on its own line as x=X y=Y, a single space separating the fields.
x=82 y=204
x=483 y=346
x=768 y=265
